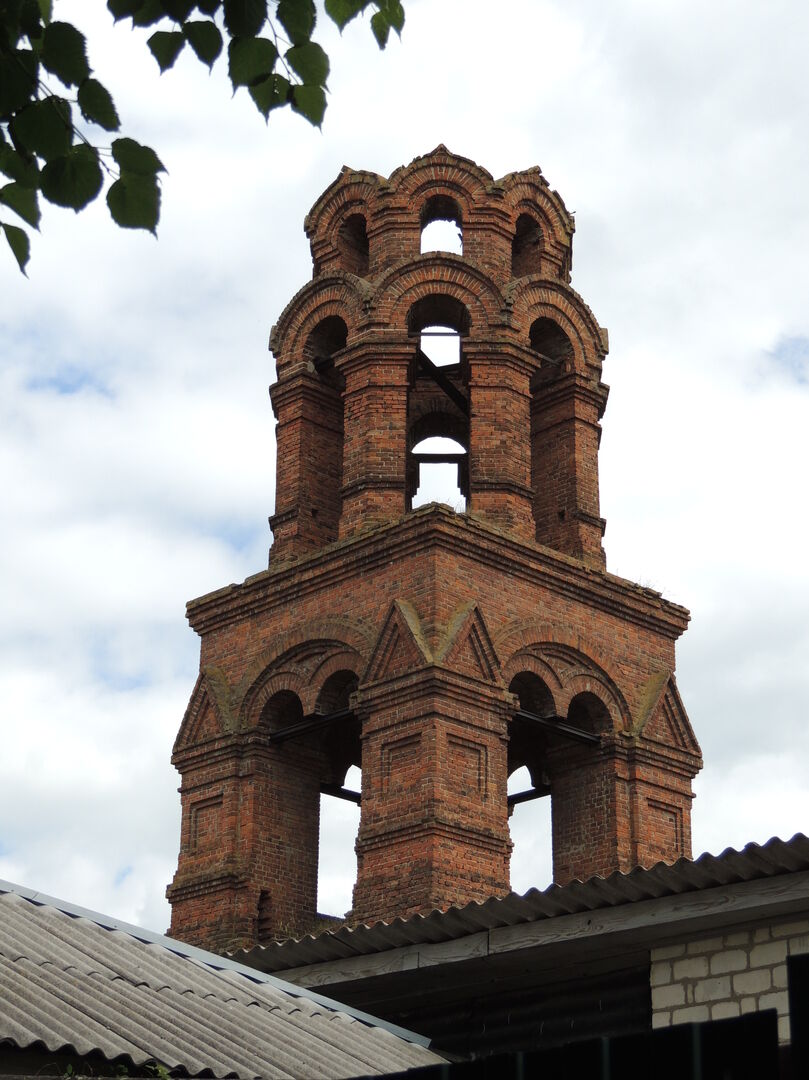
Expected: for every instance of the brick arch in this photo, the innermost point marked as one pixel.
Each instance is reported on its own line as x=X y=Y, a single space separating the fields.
x=347 y=660
x=577 y=664
x=438 y=273
x=527 y=660
x=327 y=635
x=351 y=193
x=267 y=687
x=534 y=298
x=337 y=293
x=528 y=192
x=439 y=167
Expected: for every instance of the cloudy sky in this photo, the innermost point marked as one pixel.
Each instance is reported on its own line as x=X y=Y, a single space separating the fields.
x=136 y=439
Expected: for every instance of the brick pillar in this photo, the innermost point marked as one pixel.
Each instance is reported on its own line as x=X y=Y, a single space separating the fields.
x=565 y=433
x=375 y=433
x=589 y=811
x=309 y=462
x=434 y=827
x=499 y=450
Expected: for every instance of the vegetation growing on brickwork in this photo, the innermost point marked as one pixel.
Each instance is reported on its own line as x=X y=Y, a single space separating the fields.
x=52 y=110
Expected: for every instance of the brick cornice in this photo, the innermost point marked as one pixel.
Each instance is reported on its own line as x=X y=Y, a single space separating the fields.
x=441 y=529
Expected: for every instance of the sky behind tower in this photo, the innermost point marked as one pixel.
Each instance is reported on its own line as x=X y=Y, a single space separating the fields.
x=137 y=441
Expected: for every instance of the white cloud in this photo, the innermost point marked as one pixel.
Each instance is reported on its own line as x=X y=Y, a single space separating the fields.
x=136 y=441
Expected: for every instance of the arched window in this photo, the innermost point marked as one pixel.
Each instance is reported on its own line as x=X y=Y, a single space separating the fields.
x=529 y=786
x=341 y=786
x=352 y=243
x=441 y=225
x=550 y=341
x=526 y=247
x=441 y=470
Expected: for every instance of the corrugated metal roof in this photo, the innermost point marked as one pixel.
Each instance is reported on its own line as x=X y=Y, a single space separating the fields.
x=686 y=875
x=74 y=980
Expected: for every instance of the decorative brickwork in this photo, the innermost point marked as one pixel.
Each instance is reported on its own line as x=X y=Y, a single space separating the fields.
x=439 y=651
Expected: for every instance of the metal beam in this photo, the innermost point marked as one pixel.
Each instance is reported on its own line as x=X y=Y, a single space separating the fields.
x=528 y=796
x=559 y=725
x=312 y=722
x=341 y=793
x=449 y=388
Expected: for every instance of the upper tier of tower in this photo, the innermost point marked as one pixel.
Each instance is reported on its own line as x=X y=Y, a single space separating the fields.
x=364 y=223
x=359 y=391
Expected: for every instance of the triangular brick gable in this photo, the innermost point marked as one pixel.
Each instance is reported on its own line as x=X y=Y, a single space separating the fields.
x=206 y=715
x=468 y=648
x=400 y=647
x=666 y=719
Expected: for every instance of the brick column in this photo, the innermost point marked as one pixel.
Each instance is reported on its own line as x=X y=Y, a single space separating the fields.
x=375 y=434
x=434 y=827
x=499 y=450
x=565 y=433
x=309 y=462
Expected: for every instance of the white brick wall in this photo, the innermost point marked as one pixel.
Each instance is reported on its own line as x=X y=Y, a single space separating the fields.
x=715 y=978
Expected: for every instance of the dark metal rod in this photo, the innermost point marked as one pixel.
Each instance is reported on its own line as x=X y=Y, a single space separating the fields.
x=312 y=722
x=449 y=459
x=341 y=793
x=527 y=796
x=435 y=373
x=559 y=725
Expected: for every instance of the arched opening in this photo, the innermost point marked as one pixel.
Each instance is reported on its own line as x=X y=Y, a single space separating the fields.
x=529 y=787
x=438 y=405
x=589 y=713
x=526 y=247
x=352 y=243
x=440 y=473
x=340 y=792
x=550 y=342
x=441 y=225
x=282 y=710
x=323 y=500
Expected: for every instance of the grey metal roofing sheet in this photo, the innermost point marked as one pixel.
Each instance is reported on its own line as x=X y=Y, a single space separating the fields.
x=686 y=875
x=71 y=980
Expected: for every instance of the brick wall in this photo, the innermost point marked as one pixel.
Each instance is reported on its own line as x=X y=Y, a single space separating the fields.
x=715 y=978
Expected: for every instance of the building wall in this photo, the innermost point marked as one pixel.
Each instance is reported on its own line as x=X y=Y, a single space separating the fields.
x=714 y=978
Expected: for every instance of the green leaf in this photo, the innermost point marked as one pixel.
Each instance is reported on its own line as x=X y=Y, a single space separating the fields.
x=97 y=106
x=19 y=244
x=250 y=60
x=310 y=62
x=17 y=80
x=133 y=158
x=64 y=52
x=298 y=19
x=204 y=38
x=343 y=11
x=44 y=128
x=209 y=7
x=166 y=46
x=270 y=93
x=310 y=101
x=134 y=202
x=31 y=20
x=381 y=28
x=244 y=18
x=124 y=9
x=394 y=13
x=46 y=10
x=74 y=179
x=179 y=10
x=14 y=165
x=23 y=201
x=148 y=13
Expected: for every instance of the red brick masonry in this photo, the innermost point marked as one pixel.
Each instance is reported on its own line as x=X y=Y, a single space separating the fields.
x=432 y=628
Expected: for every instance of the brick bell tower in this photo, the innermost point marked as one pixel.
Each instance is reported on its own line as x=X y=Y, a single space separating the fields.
x=438 y=650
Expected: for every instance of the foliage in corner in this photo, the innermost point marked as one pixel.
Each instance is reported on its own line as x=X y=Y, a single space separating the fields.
x=52 y=109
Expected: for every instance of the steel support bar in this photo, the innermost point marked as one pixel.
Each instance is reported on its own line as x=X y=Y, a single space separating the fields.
x=559 y=725
x=341 y=793
x=528 y=796
x=449 y=388
x=312 y=722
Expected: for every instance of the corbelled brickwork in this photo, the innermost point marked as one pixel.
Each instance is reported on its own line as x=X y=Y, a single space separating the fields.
x=439 y=651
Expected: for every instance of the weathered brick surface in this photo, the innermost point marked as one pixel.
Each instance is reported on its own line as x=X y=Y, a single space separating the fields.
x=432 y=626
